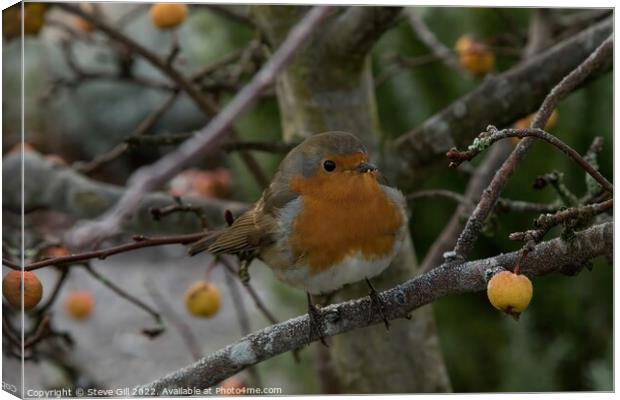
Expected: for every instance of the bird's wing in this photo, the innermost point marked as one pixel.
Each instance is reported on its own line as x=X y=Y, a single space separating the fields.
x=254 y=228
x=245 y=234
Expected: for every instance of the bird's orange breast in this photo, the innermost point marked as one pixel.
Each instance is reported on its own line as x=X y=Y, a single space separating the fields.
x=342 y=214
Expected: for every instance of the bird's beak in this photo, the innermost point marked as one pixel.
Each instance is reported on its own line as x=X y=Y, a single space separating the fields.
x=365 y=167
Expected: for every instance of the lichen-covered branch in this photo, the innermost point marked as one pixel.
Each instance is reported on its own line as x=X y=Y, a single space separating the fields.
x=551 y=256
x=62 y=189
x=492 y=135
x=500 y=99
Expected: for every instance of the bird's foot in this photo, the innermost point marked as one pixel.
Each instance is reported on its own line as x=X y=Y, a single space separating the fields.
x=316 y=321
x=377 y=303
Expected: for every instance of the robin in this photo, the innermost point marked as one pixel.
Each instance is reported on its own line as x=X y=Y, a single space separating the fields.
x=324 y=221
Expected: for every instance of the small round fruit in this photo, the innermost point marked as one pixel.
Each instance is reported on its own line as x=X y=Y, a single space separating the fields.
x=510 y=292
x=34 y=18
x=56 y=251
x=11 y=22
x=12 y=289
x=202 y=299
x=475 y=57
x=168 y=15
x=79 y=304
x=231 y=386
x=18 y=147
x=82 y=25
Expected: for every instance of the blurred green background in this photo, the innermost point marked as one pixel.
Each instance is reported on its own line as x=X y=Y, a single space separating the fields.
x=563 y=342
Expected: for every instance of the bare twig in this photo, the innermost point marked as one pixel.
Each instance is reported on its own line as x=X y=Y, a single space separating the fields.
x=545 y=222
x=399 y=301
x=64 y=273
x=180 y=206
x=428 y=38
x=39 y=333
x=145 y=126
x=185 y=84
x=230 y=146
x=492 y=135
x=139 y=242
x=166 y=310
x=248 y=287
x=123 y=293
x=209 y=138
x=468 y=237
x=503 y=204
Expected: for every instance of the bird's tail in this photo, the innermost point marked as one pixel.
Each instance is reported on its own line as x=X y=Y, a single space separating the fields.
x=204 y=243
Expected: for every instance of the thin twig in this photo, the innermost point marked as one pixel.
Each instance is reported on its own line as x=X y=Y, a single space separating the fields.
x=492 y=135
x=545 y=222
x=168 y=312
x=122 y=293
x=39 y=333
x=145 y=126
x=428 y=38
x=230 y=146
x=503 y=204
x=139 y=242
x=64 y=273
x=248 y=287
x=182 y=207
x=151 y=177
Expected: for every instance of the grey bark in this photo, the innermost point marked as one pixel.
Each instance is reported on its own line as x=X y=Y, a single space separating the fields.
x=59 y=188
x=329 y=86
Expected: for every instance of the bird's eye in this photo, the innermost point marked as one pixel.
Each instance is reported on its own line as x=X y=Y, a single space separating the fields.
x=329 y=165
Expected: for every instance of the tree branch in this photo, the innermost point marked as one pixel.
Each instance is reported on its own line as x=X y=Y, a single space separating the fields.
x=502 y=99
x=399 y=301
x=139 y=242
x=64 y=190
x=492 y=135
x=209 y=138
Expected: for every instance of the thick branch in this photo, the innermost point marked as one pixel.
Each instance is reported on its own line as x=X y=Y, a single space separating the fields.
x=399 y=301
x=500 y=99
x=62 y=189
